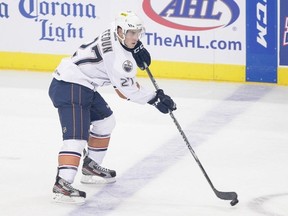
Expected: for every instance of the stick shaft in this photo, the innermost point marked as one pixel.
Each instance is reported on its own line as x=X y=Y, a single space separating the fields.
x=219 y=194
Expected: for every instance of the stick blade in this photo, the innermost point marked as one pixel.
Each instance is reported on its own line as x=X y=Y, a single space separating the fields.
x=226 y=195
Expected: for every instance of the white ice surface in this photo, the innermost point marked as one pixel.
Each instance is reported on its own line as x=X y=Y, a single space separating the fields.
x=238 y=131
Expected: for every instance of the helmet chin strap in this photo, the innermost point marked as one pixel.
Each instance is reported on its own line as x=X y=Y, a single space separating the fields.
x=122 y=40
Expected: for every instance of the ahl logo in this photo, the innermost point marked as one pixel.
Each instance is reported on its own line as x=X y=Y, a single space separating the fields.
x=193 y=15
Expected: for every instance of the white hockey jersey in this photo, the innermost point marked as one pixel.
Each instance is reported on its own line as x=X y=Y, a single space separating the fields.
x=104 y=62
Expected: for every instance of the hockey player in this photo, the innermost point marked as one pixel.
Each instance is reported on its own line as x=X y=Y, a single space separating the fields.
x=111 y=59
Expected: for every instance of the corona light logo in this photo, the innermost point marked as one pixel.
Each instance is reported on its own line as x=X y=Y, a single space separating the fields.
x=192 y=15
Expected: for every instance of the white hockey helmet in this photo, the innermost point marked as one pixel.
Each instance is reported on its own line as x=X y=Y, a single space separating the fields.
x=128 y=20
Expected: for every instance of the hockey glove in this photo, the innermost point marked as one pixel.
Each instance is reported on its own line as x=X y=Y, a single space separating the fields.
x=163 y=102
x=141 y=55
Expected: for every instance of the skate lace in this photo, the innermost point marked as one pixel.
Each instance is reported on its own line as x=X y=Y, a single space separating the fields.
x=70 y=187
x=101 y=168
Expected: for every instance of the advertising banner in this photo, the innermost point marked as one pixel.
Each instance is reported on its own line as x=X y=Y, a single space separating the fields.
x=261 y=53
x=283 y=37
x=52 y=27
x=196 y=31
x=210 y=31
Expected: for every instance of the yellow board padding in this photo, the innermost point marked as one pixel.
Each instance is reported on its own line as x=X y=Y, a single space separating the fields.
x=29 y=61
x=161 y=69
x=234 y=73
x=197 y=71
x=282 y=76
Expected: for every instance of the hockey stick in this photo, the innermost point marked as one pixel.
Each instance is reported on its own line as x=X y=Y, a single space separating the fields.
x=222 y=195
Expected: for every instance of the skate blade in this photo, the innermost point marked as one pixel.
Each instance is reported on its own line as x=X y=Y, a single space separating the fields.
x=91 y=179
x=60 y=198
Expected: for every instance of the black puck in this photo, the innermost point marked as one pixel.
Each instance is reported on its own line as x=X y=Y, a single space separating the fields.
x=234 y=202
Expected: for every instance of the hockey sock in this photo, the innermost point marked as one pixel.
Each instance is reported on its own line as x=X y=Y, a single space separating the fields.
x=97 y=154
x=67 y=172
x=69 y=158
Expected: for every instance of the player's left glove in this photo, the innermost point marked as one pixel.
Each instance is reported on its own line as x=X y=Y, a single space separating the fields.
x=141 y=55
x=163 y=102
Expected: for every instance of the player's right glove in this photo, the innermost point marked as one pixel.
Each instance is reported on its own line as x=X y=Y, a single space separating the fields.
x=163 y=102
x=141 y=55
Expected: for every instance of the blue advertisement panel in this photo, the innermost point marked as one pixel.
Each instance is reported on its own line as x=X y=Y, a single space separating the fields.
x=261 y=36
x=283 y=33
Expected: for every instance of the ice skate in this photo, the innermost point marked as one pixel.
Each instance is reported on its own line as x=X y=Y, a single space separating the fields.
x=63 y=192
x=95 y=174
